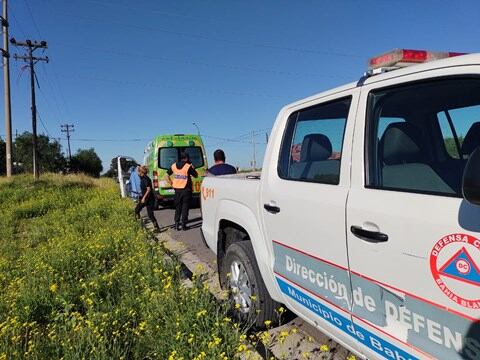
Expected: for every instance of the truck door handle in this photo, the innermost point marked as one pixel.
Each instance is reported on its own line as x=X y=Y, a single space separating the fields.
x=370 y=236
x=271 y=208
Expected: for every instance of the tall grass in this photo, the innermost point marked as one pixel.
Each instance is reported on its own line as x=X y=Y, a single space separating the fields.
x=80 y=281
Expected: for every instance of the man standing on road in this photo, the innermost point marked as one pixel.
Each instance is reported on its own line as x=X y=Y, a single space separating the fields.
x=220 y=168
x=147 y=199
x=182 y=172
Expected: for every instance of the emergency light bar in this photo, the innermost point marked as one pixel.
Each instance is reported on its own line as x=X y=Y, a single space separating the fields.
x=404 y=57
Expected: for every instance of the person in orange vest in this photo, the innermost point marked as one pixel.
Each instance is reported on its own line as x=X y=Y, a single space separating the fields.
x=182 y=172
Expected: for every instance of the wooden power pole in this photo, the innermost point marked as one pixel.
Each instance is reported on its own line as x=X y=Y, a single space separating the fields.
x=68 y=129
x=31 y=46
x=6 y=82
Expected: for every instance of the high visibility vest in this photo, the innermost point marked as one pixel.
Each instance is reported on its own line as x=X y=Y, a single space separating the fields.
x=180 y=176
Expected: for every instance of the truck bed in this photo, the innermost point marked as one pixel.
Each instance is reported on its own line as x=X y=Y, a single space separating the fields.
x=219 y=191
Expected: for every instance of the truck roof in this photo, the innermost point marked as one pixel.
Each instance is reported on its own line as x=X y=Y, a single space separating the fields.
x=469 y=59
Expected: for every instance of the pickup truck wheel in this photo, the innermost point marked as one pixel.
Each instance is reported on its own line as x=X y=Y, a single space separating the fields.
x=249 y=298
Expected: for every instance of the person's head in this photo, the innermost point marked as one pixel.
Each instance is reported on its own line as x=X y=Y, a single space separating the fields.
x=219 y=156
x=184 y=156
x=142 y=170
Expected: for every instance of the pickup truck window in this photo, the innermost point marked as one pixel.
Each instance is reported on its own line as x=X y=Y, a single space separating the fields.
x=426 y=151
x=312 y=144
x=455 y=124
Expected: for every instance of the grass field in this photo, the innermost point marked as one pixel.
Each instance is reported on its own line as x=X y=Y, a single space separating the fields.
x=81 y=280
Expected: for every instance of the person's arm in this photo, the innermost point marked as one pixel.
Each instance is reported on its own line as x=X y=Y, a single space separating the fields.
x=167 y=176
x=149 y=188
x=193 y=172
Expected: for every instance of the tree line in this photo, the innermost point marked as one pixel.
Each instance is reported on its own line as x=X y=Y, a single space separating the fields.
x=50 y=157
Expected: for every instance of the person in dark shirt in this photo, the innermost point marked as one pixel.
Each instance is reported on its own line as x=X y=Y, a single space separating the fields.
x=147 y=200
x=220 y=168
x=182 y=172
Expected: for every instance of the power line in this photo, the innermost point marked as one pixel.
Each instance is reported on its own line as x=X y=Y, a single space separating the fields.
x=253 y=69
x=19 y=25
x=47 y=101
x=58 y=90
x=216 y=21
x=43 y=124
x=33 y=19
x=178 y=88
x=149 y=29
x=224 y=139
x=47 y=77
x=109 y=140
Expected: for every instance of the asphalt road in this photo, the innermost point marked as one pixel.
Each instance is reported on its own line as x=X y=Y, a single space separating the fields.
x=191 y=238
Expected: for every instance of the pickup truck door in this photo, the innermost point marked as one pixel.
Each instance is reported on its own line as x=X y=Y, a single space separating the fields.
x=303 y=198
x=413 y=243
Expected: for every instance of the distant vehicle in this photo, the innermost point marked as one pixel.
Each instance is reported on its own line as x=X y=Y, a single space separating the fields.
x=365 y=220
x=163 y=151
x=123 y=170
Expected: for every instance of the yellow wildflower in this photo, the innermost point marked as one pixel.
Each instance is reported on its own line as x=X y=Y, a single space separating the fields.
x=324 y=348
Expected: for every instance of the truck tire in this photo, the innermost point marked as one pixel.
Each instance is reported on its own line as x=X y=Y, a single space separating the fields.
x=250 y=302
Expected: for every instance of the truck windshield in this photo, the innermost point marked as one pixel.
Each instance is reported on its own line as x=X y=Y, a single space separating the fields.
x=169 y=155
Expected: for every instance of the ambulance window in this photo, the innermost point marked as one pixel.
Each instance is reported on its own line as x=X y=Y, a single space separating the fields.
x=312 y=145
x=196 y=155
x=166 y=157
x=436 y=126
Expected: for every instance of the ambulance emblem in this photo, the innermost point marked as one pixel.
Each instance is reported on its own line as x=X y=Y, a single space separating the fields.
x=453 y=263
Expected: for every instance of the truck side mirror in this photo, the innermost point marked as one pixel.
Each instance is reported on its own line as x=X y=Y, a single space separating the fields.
x=471 y=178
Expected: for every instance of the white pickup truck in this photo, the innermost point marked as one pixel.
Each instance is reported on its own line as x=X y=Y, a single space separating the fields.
x=365 y=220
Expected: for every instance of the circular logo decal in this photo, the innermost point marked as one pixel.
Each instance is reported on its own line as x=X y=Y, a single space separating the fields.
x=462 y=266
x=453 y=263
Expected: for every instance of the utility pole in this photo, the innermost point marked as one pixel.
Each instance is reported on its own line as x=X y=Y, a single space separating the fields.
x=254 y=162
x=198 y=129
x=6 y=84
x=68 y=128
x=32 y=60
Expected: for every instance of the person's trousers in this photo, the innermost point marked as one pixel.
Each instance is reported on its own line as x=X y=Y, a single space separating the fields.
x=149 y=207
x=182 y=205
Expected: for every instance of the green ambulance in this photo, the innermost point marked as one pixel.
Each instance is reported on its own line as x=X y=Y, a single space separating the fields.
x=163 y=151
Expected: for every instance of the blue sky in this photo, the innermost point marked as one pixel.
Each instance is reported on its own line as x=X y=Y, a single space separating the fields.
x=128 y=70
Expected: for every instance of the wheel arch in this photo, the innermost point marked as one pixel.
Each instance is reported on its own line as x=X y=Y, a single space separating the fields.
x=239 y=220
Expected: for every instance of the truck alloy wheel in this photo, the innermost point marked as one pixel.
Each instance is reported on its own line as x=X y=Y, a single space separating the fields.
x=239 y=285
x=250 y=301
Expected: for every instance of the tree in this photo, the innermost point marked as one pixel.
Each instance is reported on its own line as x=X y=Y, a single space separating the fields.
x=3 y=158
x=86 y=161
x=451 y=146
x=113 y=171
x=50 y=156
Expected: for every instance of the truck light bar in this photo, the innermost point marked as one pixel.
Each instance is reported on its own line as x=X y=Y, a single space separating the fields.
x=405 y=57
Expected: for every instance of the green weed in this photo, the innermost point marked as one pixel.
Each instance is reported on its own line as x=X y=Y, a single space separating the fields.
x=80 y=281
